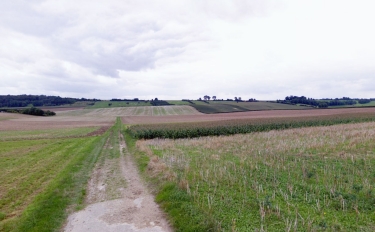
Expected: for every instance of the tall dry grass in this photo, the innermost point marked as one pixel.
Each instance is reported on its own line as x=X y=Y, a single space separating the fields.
x=307 y=179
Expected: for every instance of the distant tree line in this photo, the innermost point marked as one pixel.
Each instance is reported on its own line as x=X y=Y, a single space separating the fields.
x=134 y=99
x=323 y=103
x=30 y=111
x=237 y=99
x=37 y=100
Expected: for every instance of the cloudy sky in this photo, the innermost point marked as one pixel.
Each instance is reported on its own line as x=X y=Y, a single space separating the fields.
x=266 y=49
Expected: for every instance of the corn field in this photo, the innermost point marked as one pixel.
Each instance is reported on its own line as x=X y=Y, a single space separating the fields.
x=241 y=126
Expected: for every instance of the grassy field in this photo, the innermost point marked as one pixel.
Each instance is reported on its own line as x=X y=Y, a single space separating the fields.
x=109 y=104
x=370 y=104
x=41 y=178
x=308 y=179
x=46 y=134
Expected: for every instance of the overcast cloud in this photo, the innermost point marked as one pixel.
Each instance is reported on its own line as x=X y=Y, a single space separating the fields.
x=266 y=49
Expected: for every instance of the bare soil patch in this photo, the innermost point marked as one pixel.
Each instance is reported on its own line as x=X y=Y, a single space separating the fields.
x=242 y=115
x=99 y=131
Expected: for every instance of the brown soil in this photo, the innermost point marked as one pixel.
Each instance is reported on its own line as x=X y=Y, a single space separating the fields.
x=135 y=210
x=242 y=115
x=99 y=131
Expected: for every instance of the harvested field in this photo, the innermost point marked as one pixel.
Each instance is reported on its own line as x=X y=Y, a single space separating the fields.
x=23 y=125
x=133 y=111
x=21 y=122
x=51 y=133
x=243 y=115
x=308 y=179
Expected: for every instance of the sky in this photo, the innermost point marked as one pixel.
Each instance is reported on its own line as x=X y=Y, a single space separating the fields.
x=185 y=49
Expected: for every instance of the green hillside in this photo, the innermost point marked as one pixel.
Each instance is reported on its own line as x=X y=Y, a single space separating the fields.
x=211 y=107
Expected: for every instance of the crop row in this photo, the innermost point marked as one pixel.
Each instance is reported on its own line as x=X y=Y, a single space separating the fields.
x=240 y=126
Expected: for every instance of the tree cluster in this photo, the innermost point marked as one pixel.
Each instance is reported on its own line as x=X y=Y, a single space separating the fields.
x=37 y=100
x=30 y=111
x=364 y=101
x=317 y=103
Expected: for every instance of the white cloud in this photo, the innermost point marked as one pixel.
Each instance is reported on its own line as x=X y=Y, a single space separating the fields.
x=185 y=49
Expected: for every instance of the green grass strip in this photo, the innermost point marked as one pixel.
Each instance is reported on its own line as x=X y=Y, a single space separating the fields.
x=48 y=211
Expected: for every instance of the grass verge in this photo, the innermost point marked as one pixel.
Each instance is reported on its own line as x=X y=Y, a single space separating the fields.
x=183 y=216
x=44 y=179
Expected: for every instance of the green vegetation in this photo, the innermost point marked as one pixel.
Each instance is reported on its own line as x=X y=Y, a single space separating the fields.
x=309 y=179
x=325 y=103
x=109 y=104
x=184 y=216
x=369 y=104
x=37 y=100
x=41 y=178
x=176 y=102
x=46 y=134
x=240 y=126
x=31 y=111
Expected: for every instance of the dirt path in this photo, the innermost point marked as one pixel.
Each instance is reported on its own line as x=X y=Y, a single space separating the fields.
x=135 y=210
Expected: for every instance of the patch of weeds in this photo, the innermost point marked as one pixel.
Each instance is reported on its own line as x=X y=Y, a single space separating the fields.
x=2 y=216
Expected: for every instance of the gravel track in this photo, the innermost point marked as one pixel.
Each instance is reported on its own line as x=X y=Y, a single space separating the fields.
x=135 y=211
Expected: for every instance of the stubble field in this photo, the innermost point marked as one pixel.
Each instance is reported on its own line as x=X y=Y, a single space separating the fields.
x=308 y=179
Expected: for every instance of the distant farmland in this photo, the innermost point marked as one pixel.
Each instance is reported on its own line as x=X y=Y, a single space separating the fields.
x=133 y=111
x=207 y=107
x=212 y=107
x=302 y=179
x=243 y=115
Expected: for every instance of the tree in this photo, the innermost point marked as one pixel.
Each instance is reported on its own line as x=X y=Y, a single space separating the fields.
x=214 y=98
